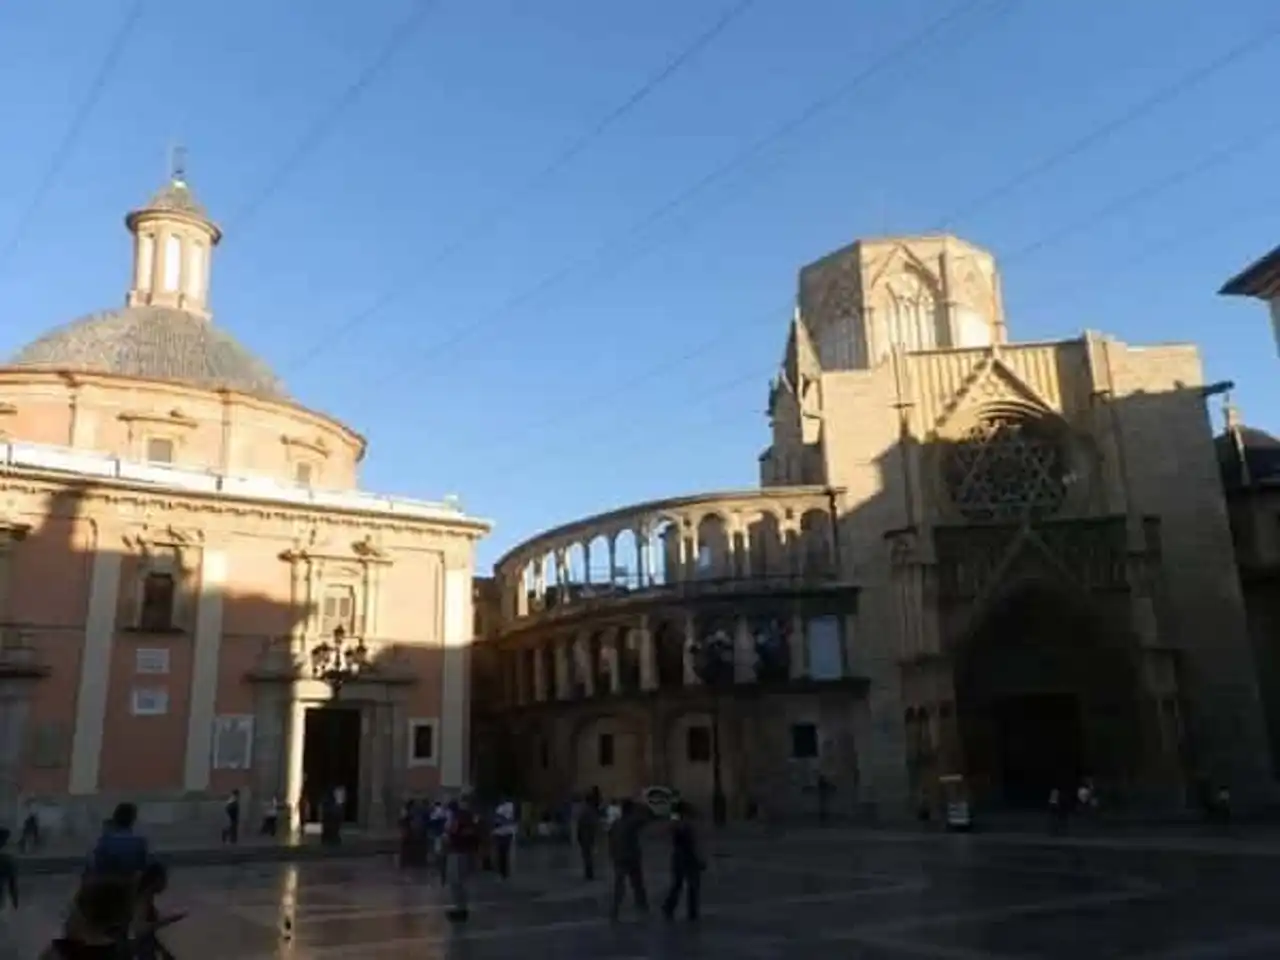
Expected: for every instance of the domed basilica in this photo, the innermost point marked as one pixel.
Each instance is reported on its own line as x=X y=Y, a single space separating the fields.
x=196 y=595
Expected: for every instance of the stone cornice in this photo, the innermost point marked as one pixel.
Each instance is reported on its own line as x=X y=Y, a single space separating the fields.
x=174 y=418
x=316 y=446
x=121 y=495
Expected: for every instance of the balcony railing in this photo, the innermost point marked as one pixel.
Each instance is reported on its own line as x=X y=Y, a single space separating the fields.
x=775 y=538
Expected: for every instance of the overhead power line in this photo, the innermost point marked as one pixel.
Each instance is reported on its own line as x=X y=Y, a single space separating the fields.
x=815 y=109
x=1145 y=192
x=562 y=160
x=1161 y=97
x=66 y=146
x=320 y=128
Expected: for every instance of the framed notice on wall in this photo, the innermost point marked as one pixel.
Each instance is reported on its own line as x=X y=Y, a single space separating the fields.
x=233 y=742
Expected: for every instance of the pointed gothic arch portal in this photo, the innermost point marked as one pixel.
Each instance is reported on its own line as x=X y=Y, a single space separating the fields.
x=1047 y=693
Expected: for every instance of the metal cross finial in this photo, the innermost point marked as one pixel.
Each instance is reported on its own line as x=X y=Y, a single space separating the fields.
x=178 y=163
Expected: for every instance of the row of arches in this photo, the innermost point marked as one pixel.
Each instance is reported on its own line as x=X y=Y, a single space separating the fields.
x=667 y=652
x=664 y=550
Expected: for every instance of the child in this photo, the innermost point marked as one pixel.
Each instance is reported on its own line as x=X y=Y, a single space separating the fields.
x=147 y=921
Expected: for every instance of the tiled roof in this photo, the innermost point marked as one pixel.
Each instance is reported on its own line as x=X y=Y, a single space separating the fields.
x=158 y=343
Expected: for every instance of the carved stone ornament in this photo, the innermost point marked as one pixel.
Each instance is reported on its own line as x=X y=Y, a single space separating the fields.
x=146 y=537
x=367 y=549
x=316 y=446
x=903 y=549
x=1007 y=467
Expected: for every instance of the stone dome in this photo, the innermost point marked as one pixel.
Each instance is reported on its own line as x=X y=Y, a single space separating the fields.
x=158 y=343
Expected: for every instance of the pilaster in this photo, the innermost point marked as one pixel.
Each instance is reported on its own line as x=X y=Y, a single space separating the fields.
x=95 y=672
x=204 y=670
x=454 y=679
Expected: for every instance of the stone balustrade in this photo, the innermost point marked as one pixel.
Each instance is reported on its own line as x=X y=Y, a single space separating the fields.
x=618 y=604
x=721 y=542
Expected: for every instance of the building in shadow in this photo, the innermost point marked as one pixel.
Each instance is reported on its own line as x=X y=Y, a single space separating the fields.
x=1008 y=561
x=179 y=537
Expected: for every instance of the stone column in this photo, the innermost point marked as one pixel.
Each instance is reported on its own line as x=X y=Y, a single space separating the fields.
x=95 y=672
x=648 y=669
x=539 y=676
x=520 y=671
x=560 y=655
x=204 y=671
x=582 y=651
x=397 y=749
x=382 y=801
x=612 y=653
x=270 y=759
x=798 y=648
x=690 y=638
x=295 y=728
x=744 y=652
x=455 y=699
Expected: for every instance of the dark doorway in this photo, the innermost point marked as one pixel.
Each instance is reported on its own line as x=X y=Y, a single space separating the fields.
x=1038 y=746
x=1046 y=694
x=331 y=758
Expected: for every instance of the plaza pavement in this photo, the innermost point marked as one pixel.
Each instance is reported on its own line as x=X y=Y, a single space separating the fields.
x=805 y=894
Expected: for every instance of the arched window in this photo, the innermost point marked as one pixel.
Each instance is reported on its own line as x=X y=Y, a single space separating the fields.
x=172 y=263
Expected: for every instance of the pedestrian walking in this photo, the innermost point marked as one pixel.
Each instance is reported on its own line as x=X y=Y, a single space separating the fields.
x=627 y=856
x=687 y=864
x=437 y=827
x=271 y=817
x=586 y=829
x=231 y=823
x=504 y=836
x=30 y=836
x=462 y=844
x=1057 y=812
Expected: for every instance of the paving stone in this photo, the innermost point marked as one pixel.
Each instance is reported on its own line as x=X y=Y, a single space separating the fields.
x=800 y=898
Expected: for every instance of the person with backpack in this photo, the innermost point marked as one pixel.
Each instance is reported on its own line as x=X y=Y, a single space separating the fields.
x=120 y=852
x=462 y=844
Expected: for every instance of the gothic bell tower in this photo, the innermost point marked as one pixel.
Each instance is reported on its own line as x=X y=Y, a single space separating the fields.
x=173 y=241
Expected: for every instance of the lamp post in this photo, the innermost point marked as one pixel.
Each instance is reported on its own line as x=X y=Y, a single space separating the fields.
x=338 y=662
x=713 y=665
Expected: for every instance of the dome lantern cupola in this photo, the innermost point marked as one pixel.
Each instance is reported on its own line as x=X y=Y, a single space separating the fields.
x=173 y=241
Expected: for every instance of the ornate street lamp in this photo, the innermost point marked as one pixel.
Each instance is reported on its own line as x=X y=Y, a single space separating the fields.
x=713 y=665
x=339 y=661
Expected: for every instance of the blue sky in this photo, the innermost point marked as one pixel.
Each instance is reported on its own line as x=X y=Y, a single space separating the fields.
x=574 y=351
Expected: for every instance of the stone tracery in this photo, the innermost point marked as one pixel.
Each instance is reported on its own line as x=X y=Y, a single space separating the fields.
x=1007 y=466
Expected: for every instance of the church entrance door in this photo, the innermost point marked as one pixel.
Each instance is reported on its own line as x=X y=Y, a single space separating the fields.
x=1046 y=695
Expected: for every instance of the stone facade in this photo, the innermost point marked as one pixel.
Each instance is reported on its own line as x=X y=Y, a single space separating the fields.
x=171 y=555
x=1037 y=528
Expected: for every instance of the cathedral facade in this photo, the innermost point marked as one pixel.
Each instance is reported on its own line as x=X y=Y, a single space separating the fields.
x=966 y=556
x=188 y=572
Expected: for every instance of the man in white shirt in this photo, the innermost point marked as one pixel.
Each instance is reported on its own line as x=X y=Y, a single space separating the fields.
x=504 y=836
